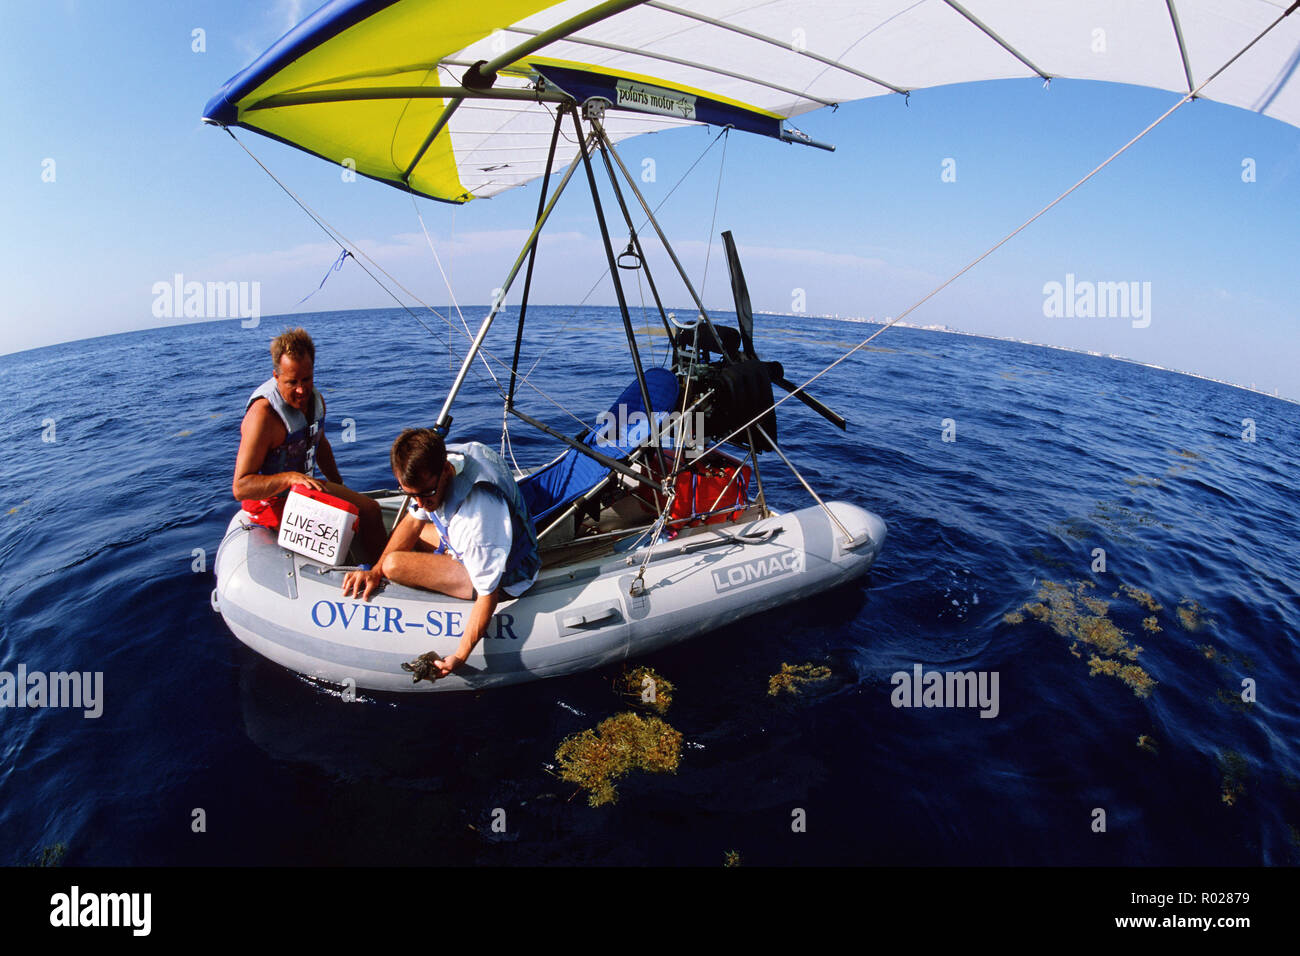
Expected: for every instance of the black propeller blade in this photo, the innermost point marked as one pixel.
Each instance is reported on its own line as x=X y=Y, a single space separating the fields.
x=745 y=319
x=832 y=416
x=740 y=292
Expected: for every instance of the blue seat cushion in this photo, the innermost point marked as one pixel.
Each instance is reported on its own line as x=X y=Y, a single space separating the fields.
x=549 y=489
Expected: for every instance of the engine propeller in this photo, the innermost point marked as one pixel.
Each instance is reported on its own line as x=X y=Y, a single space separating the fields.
x=745 y=319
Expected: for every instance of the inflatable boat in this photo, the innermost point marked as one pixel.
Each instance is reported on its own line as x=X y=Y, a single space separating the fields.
x=587 y=608
x=648 y=531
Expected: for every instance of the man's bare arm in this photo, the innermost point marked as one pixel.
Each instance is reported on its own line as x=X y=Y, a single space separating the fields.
x=325 y=459
x=405 y=536
x=255 y=437
x=480 y=616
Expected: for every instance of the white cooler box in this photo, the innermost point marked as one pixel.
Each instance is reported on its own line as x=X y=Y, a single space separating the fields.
x=318 y=525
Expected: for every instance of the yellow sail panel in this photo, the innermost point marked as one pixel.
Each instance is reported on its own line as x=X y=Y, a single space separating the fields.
x=399 y=45
x=395 y=40
x=771 y=59
x=378 y=138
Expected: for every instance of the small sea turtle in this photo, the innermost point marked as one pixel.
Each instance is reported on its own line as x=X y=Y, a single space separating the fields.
x=423 y=667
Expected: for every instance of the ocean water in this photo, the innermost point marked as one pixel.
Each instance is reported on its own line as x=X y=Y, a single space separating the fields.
x=115 y=491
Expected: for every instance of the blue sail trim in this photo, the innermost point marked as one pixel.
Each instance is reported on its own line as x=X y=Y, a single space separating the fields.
x=623 y=94
x=327 y=22
x=573 y=474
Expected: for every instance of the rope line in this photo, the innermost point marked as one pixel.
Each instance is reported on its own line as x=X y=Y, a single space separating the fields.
x=451 y=293
x=1015 y=232
x=708 y=241
x=339 y=239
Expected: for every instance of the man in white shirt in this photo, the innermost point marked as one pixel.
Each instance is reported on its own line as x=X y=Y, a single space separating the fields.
x=466 y=534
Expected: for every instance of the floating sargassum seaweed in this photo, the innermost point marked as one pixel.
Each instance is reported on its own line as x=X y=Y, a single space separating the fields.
x=1074 y=613
x=595 y=759
x=793 y=677
x=648 y=687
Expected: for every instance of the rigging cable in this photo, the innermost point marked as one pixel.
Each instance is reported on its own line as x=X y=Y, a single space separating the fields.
x=601 y=277
x=506 y=446
x=339 y=239
x=336 y=236
x=708 y=242
x=661 y=521
x=451 y=357
x=1192 y=94
x=451 y=293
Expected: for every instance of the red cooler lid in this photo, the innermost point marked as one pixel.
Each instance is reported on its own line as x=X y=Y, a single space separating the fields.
x=325 y=499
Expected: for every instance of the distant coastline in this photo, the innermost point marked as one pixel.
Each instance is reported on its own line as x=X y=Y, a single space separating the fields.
x=858 y=320
x=296 y=317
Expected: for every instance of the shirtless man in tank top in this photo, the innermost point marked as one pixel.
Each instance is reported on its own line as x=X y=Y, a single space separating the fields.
x=282 y=440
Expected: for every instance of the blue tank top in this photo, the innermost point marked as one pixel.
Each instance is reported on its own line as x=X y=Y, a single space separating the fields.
x=298 y=451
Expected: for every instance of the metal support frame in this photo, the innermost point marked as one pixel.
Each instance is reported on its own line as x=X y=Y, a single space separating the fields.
x=609 y=255
x=636 y=243
x=606 y=144
x=357 y=94
x=601 y=140
x=485 y=72
x=443 y=119
x=675 y=549
x=444 y=418
x=569 y=512
x=759 y=497
x=587 y=450
x=532 y=257
x=800 y=138
x=574 y=505
x=849 y=539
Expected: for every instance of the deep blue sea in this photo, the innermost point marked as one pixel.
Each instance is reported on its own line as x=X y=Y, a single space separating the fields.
x=115 y=492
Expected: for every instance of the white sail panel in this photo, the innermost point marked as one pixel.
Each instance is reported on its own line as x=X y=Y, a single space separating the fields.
x=340 y=84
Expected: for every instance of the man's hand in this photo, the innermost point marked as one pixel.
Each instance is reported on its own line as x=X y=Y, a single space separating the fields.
x=362 y=583
x=299 y=478
x=447 y=664
x=430 y=667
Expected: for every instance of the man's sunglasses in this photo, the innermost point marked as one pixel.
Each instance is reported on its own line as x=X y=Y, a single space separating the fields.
x=428 y=495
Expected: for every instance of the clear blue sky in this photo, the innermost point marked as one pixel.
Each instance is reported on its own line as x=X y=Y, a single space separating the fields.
x=112 y=92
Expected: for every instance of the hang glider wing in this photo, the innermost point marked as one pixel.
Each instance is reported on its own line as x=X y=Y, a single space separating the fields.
x=391 y=87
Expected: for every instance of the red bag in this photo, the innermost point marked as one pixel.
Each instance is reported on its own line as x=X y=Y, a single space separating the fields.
x=710 y=488
x=265 y=511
